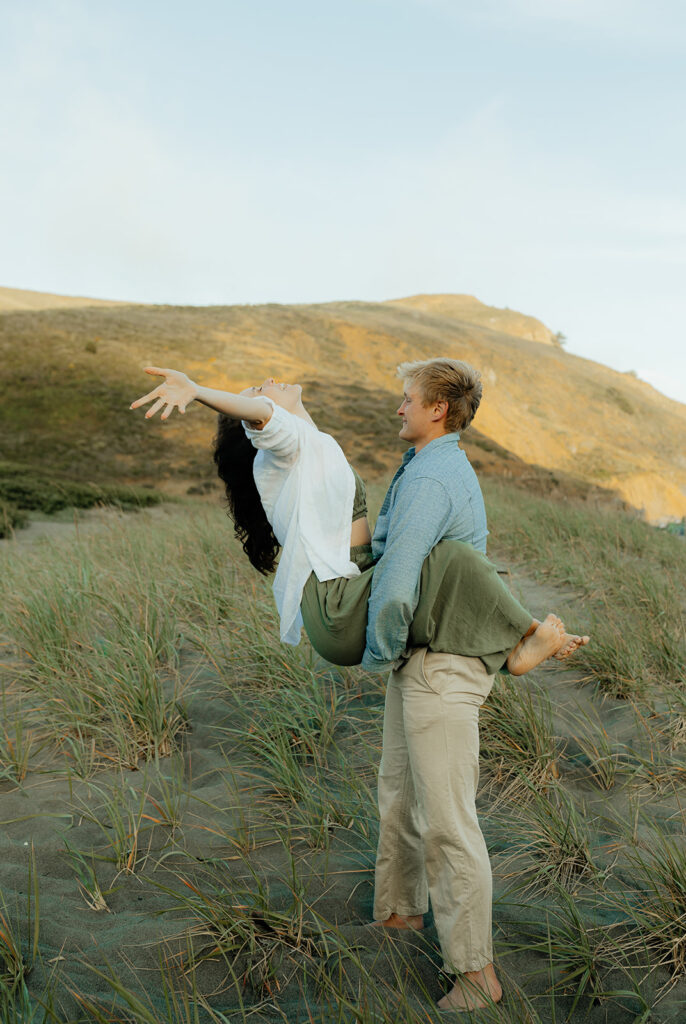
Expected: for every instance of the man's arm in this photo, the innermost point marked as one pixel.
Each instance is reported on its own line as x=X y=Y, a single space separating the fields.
x=419 y=519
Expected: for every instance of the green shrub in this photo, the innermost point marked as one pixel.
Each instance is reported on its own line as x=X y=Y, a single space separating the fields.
x=11 y=517
x=24 y=488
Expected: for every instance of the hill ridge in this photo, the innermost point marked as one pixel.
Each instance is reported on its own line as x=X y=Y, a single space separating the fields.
x=15 y=300
x=471 y=310
x=555 y=412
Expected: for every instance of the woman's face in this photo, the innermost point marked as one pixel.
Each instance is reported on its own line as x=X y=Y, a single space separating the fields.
x=286 y=395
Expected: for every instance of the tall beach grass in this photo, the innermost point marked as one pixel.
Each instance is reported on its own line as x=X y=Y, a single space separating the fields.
x=225 y=785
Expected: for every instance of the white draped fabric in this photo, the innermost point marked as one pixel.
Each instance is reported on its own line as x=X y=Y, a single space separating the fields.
x=307 y=489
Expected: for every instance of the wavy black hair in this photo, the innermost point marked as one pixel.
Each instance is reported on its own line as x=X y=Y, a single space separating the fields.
x=234 y=455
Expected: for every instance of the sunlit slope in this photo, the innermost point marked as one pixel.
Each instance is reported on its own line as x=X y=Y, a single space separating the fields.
x=13 y=300
x=68 y=377
x=467 y=307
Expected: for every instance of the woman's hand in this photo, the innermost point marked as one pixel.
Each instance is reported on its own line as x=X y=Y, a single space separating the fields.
x=177 y=390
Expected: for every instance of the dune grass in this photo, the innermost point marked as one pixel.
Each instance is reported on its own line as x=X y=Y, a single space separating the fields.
x=225 y=785
x=97 y=645
x=19 y=939
x=627 y=578
x=518 y=745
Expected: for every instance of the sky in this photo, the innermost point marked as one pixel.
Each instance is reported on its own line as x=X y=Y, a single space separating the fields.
x=528 y=152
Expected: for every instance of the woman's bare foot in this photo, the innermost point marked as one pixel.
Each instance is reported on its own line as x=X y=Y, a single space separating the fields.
x=472 y=990
x=570 y=643
x=547 y=638
x=416 y=922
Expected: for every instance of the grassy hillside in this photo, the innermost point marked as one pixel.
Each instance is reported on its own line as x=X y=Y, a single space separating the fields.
x=552 y=419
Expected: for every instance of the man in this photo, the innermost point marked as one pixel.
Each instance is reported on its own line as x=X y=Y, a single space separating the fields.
x=429 y=831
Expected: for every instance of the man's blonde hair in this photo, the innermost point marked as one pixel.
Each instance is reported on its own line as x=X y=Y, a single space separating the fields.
x=446 y=380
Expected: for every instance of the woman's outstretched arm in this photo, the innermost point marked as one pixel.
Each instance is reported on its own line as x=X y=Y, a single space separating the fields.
x=178 y=391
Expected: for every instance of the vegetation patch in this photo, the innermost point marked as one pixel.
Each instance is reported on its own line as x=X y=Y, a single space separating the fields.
x=11 y=517
x=620 y=400
x=25 y=488
x=628 y=578
x=201 y=798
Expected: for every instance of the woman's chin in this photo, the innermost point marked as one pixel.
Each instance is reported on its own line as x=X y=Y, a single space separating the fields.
x=291 y=403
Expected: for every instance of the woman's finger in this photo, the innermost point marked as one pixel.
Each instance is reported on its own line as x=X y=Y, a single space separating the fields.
x=157 y=371
x=146 y=398
x=154 y=408
x=168 y=409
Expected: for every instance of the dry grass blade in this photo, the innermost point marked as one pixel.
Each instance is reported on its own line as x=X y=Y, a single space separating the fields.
x=556 y=832
x=658 y=908
x=119 y=817
x=659 y=764
x=16 y=957
x=516 y=737
x=86 y=878
x=16 y=747
x=237 y=924
x=604 y=758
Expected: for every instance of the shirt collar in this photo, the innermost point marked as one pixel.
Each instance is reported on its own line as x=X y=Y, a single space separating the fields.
x=436 y=443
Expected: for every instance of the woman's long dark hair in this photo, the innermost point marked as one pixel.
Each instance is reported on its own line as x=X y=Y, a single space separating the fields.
x=234 y=455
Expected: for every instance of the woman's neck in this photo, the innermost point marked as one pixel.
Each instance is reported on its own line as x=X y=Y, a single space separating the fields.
x=302 y=412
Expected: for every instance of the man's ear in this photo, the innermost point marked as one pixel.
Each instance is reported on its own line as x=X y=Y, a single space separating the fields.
x=440 y=410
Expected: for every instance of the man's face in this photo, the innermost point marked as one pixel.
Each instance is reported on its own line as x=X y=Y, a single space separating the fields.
x=419 y=421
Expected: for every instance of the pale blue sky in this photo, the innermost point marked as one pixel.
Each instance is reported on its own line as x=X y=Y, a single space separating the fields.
x=529 y=152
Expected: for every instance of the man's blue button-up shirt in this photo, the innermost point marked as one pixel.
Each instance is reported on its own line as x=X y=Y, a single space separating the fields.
x=434 y=495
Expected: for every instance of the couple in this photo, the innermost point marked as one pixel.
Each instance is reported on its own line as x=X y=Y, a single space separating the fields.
x=419 y=597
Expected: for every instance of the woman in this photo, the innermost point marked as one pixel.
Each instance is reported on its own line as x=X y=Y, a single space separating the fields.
x=290 y=487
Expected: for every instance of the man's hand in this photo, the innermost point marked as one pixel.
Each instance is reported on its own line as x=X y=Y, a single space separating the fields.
x=177 y=390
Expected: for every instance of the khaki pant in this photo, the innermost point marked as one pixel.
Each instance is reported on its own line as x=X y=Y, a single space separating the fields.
x=427 y=789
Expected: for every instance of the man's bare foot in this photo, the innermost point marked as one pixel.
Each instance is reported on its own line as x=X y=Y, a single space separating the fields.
x=570 y=643
x=535 y=647
x=472 y=990
x=416 y=922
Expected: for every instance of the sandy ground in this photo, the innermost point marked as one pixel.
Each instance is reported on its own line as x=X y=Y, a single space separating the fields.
x=68 y=524
x=49 y=809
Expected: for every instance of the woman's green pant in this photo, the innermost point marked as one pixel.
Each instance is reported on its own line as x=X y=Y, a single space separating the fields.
x=464 y=608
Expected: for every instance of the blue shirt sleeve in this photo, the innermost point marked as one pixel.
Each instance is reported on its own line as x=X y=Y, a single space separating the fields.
x=418 y=520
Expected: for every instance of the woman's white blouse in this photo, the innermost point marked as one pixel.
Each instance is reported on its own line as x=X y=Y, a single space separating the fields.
x=307 y=489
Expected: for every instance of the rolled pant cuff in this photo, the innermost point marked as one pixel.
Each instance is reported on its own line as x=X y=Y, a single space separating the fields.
x=383 y=915
x=472 y=965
